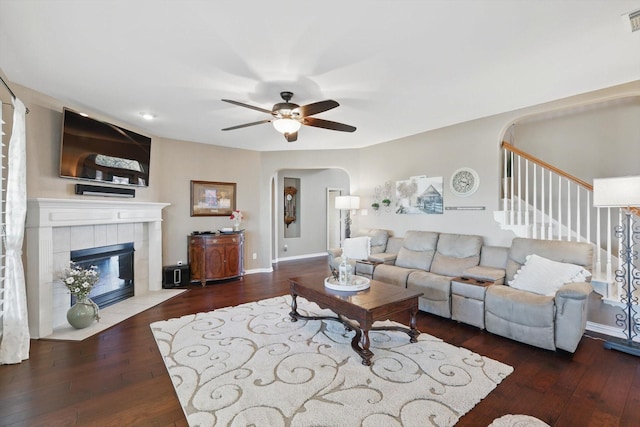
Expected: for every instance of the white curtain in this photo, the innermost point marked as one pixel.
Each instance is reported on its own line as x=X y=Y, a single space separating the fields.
x=14 y=347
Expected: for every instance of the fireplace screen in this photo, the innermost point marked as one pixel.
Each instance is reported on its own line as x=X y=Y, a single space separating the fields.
x=115 y=265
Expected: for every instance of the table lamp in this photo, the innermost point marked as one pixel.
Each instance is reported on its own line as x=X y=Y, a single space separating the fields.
x=349 y=204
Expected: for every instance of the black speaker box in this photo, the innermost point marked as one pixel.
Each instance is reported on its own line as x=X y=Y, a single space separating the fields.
x=98 y=190
x=175 y=275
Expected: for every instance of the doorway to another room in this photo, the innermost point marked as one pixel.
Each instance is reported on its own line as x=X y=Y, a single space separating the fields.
x=335 y=225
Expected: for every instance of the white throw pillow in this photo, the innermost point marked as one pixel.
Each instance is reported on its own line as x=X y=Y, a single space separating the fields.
x=357 y=247
x=544 y=276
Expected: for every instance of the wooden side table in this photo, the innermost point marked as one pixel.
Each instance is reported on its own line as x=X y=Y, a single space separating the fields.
x=365 y=268
x=467 y=300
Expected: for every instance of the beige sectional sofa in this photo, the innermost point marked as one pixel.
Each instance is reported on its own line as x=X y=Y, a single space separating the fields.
x=429 y=261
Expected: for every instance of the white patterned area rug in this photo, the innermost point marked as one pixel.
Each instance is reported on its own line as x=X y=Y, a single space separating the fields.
x=251 y=365
x=518 y=421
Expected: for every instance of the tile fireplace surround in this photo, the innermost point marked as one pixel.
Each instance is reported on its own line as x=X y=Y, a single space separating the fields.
x=55 y=227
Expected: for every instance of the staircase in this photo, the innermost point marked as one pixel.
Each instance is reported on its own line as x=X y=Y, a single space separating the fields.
x=541 y=201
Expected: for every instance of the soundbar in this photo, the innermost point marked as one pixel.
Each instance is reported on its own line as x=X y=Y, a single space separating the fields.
x=96 y=190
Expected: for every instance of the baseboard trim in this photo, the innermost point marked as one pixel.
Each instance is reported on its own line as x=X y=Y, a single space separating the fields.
x=259 y=270
x=296 y=257
x=612 y=331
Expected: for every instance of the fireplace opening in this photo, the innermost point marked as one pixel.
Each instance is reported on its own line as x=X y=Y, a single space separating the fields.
x=115 y=267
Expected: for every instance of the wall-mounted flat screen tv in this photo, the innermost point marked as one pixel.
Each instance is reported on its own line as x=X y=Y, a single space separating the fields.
x=99 y=151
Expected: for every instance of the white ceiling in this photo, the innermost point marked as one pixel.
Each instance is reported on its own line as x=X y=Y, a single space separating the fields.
x=397 y=67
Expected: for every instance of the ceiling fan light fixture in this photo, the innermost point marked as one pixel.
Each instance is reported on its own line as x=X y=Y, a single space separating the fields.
x=286 y=125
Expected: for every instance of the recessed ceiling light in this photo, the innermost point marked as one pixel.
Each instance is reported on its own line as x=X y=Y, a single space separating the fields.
x=148 y=116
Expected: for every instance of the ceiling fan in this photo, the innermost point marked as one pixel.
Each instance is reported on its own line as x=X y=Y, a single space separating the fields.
x=287 y=117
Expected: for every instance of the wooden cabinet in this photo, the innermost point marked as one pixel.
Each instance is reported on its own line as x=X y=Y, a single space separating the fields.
x=216 y=257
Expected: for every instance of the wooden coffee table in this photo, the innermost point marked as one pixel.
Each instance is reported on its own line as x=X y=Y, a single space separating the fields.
x=378 y=302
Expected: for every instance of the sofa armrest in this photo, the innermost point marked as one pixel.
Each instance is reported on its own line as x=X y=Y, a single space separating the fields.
x=485 y=273
x=335 y=252
x=384 y=258
x=572 y=302
x=577 y=291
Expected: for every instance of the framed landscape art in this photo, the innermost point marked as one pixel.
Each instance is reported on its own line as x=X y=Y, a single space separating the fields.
x=212 y=198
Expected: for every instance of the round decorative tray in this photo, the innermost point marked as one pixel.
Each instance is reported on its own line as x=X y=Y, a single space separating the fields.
x=358 y=283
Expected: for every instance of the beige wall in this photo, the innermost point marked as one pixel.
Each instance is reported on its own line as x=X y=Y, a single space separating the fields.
x=174 y=163
x=609 y=131
x=438 y=154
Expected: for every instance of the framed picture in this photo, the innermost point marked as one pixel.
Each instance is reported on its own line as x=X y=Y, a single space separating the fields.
x=212 y=198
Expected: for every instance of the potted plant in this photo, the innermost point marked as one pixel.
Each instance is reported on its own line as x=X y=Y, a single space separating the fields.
x=386 y=202
x=375 y=206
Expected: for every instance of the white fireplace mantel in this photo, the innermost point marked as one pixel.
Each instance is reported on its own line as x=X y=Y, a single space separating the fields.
x=71 y=212
x=43 y=215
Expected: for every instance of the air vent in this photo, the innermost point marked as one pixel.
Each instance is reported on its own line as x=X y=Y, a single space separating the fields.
x=634 y=20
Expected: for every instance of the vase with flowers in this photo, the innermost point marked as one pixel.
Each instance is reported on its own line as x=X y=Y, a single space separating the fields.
x=236 y=217
x=79 y=281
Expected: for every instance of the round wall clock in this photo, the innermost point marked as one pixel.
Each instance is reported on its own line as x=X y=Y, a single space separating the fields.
x=464 y=182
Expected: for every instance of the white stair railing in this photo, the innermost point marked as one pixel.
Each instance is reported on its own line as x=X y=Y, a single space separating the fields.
x=544 y=202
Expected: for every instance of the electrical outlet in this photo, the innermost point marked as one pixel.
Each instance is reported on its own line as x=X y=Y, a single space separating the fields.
x=179 y=262
x=255 y=255
x=286 y=248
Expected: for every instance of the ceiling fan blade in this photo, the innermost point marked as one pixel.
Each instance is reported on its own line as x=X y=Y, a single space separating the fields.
x=247 y=106
x=317 y=107
x=327 y=124
x=291 y=137
x=248 y=124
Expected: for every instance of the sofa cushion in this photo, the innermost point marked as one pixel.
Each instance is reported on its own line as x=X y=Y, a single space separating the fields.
x=417 y=250
x=522 y=316
x=433 y=286
x=436 y=292
x=516 y=306
x=494 y=256
x=392 y=274
x=455 y=253
x=357 y=247
x=544 y=276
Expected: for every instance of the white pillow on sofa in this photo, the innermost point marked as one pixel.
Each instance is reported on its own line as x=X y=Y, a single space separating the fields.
x=544 y=276
x=357 y=247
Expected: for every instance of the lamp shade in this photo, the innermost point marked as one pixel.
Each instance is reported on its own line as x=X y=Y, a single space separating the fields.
x=286 y=125
x=616 y=192
x=348 y=202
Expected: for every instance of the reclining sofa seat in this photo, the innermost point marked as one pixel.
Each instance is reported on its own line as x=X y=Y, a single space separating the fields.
x=454 y=254
x=416 y=253
x=550 y=322
x=427 y=261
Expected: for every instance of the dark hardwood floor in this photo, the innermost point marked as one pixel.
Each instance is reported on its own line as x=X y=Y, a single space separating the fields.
x=117 y=378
